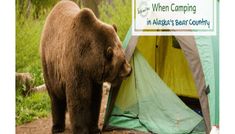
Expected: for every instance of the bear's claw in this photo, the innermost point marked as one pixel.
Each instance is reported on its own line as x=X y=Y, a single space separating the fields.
x=57 y=129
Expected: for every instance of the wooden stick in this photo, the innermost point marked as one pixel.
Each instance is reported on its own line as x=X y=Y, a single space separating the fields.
x=39 y=88
x=104 y=102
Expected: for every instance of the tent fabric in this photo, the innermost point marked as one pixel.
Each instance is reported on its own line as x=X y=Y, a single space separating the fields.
x=207 y=51
x=129 y=44
x=204 y=45
x=126 y=111
x=214 y=96
x=146 y=103
x=215 y=42
x=175 y=71
x=183 y=83
x=208 y=47
x=188 y=45
x=169 y=63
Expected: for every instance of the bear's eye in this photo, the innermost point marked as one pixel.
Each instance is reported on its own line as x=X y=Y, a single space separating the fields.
x=109 y=53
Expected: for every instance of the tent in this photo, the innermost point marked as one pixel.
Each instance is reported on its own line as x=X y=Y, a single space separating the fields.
x=164 y=68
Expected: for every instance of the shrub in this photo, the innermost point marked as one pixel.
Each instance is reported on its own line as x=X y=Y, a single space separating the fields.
x=31 y=107
x=118 y=13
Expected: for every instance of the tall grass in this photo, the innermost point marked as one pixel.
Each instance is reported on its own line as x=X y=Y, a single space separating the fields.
x=36 y=105
x=32 y=107
x=27 y=47
x=118 y=13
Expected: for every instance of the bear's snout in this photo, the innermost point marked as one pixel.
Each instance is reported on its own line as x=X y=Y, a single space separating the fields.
x=126 y=70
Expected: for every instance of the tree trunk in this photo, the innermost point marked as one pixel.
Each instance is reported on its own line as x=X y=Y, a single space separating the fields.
x=93 y=5
x=24 y=80
x=21 y=5
x=28 y=8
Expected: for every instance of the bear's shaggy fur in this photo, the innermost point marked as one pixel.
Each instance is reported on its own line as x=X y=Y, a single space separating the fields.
x=78 y=54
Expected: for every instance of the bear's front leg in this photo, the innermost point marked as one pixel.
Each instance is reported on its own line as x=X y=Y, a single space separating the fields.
x=95 y=106
x=78 y=95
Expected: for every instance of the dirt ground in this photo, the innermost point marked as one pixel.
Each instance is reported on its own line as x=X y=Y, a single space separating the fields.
x=43 y=126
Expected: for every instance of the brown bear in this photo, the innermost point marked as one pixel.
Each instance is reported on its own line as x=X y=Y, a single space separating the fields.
x=79 y=53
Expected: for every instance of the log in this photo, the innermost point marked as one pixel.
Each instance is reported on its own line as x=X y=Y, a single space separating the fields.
x=24 y=79
x=104 y=102
x=40 y=88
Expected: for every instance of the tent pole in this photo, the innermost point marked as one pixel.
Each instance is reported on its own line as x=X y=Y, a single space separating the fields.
x=188 y=45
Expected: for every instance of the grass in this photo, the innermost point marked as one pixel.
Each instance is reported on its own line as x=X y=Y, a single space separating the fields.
x=32 y=107
x=118 y=13
x=27 y=47
x=36 y=105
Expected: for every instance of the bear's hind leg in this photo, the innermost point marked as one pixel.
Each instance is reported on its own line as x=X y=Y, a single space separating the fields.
x=58 y=114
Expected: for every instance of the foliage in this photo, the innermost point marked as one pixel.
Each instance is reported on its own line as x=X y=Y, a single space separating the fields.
x=36 y=105
x=31 y=107
x=118 y=13
x=33 y=8
x=27 y=48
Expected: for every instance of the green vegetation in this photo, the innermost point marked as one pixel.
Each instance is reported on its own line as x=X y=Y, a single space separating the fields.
x=27 y=48
x=29 y=24
x=118 y=13
x=35 y=105
x=31 y=107
x=28 y=31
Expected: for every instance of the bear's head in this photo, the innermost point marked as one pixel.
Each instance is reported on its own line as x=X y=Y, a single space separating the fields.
x=108 y=57
x=116 y=67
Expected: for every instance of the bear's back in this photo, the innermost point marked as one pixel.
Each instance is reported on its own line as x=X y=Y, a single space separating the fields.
x=58 y=25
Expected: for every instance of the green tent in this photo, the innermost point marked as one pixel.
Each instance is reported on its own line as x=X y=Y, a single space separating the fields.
x=164 y=68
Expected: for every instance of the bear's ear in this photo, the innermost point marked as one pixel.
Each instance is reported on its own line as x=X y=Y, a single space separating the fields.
x=115 y=27
x=109 y=53
x=86 y=16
